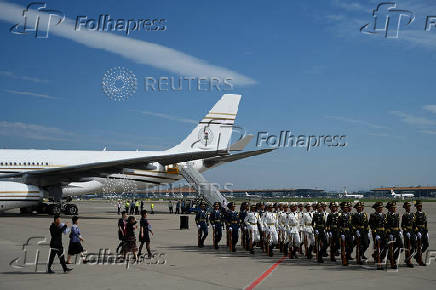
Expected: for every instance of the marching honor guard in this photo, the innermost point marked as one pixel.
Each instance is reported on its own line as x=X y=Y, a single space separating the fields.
x=393 y=232
x=270 y=222
x=251 y=222
x=293 y=231
x=281 y=222
x=333 y=230
x=421 y=232
x=319 y=226
x=234 y=223
x=346 y=240
x=377 y=222
x=244 y=234
x=407 y=224
x=308 y=237
x=360 y=224
x=202 y=223
x=216 y=219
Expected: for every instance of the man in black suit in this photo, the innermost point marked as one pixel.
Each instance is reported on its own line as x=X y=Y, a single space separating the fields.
x=56 y=248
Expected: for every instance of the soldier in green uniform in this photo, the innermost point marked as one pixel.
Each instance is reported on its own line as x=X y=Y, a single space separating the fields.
x=393 y=233
x=421 y=232
x=333 y=230
x=408 y=224
x=346 y=233
x=319 y=227
x=377 y=223
x=361 y=231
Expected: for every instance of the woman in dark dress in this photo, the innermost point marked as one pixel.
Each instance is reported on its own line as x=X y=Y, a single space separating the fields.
x=130 y=239
x=75 y=246
x=144 y=233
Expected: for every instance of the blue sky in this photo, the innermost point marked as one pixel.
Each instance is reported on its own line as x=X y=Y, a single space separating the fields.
x=300 y=66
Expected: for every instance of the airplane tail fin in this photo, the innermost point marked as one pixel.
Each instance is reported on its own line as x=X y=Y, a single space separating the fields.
x=214 y=131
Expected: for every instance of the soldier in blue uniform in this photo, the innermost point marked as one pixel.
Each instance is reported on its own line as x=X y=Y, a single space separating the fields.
x=393 y=233
x=216 y=219
x=234 y=224
x=408 y=224
x=360 y=224
x=202 y=221
x=244 y=233
x=421 y=232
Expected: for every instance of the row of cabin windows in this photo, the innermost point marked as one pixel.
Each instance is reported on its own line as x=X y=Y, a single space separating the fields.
x=23 y=163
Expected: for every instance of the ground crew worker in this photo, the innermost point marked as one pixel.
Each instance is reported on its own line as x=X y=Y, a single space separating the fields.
x=127 y=206
x=346 y=233
x=377 y=223
x=270 y=223
x=308 y=237
x=421 y=232
x=216 y=219
x=137 y=204
x=234 y=224
x=319 y=225
x=202 y=221
x=407 y=224
x=360 y=224
x=293 y=231
x=152 y=208
x=333 y=230
x=251 y=222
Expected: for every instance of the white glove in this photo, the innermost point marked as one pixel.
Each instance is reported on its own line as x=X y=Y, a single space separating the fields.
x=377 y=237
x=343 y=237
x=330 y=234
x=408 y=235
x=316 y=232
x=358 y=233
x=391 y=237
x=198 y=226
x=213 y=226
x=419 y=235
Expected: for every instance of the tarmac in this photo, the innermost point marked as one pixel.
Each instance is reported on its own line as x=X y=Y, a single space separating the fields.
x=179 y=263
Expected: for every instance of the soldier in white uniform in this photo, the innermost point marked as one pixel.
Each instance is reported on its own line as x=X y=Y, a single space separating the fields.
x=300 y=212
x=251 y=221
x=293 y=231
x=308 y=237
x=282 y=216
x=270 y=223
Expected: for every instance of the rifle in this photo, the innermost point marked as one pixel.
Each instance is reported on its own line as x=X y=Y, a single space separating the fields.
x=332 y=248
x=409 y=255
x=343 y=254
x=230 y=239
x=419 y=250
x=199 y=237
x=391 y=252
x=213 y=234
x=358 y=250
x=379 y=266
x=316 y=247
x=306 y=249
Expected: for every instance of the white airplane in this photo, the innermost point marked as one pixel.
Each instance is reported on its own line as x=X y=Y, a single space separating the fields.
x=346 y=195
x=401 y=195
x=246 y=195
x=28 y=176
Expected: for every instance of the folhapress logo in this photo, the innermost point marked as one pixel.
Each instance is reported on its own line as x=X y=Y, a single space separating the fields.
x=388 y=19
x=38 y=19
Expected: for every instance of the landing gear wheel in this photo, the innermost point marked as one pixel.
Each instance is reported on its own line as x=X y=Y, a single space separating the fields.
x=54 y=209
x=71 y=209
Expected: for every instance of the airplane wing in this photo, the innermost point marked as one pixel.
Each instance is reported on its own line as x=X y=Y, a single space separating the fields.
x=54 y=176
x=212 y=161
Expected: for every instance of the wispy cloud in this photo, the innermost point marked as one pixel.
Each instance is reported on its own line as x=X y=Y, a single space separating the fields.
x=428 y=132
x=169 y=117
x=413 y=120
x=33 y=131
x=357 y=122
x=139 y=51
x=26 y=93
x=430 y=108
x=348 y=5
x=13 y=75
